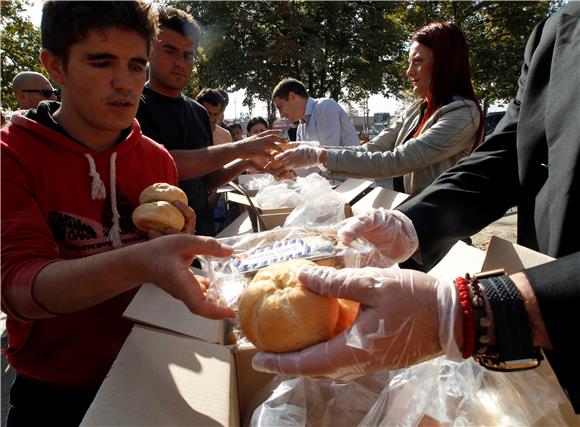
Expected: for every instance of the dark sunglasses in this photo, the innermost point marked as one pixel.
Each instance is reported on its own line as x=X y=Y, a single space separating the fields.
x=47 y=93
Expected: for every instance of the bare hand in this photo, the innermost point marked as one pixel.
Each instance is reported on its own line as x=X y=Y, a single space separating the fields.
x=188 y=228
x=265 y=144
x=167 y=262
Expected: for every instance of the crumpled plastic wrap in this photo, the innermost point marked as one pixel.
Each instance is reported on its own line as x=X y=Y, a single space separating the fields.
x=306 y=402
x=439 y=392
x=258 y=182
x=231 y=275
x=312 y=197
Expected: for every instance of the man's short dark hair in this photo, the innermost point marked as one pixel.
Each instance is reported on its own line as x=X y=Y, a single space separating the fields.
x=181 y=22
x=212 y=97
x=235 y=126
x=287 y=85
x=225 y=96
x=255 y=120
x=65 y=23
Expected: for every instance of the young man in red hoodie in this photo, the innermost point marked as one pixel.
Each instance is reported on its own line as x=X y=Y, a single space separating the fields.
x=71 y=176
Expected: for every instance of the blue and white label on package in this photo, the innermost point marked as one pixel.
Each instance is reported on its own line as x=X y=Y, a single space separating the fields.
x=281 y=251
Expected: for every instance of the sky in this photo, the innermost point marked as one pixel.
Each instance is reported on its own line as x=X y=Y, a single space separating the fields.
x=376 y=103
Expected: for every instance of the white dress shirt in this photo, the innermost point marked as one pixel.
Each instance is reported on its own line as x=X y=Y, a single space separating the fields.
x=325 y=121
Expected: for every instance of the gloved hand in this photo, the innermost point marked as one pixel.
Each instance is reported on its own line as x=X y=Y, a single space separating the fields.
x=404 y=315
x=391 y=231
x=302 y=156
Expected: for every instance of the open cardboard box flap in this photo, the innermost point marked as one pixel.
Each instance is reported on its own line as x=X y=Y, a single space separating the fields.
x=379 y=198
x=153 y=306
x=161 y=378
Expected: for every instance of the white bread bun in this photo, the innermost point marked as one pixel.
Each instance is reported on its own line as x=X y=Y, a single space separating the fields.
x=162 y=191
x=158 y=216
x=278 y=314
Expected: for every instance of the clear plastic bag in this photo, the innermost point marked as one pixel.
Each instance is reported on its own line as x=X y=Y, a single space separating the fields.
x=306 y=402
x=230 y=276
x=312 y=197
x=439 y=392
x=259 y=182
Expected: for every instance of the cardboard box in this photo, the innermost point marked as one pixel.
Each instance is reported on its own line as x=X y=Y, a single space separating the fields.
x=379 y=198
x=162 y=378
x=241 y=225
x=266 y=219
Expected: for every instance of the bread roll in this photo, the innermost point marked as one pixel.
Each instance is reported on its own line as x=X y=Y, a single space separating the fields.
x=347 y=311
x=158 y=216
x=278 y=314
x=162 y=191
x=274 y=164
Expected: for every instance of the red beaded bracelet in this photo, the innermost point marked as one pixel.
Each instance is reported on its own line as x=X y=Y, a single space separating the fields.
x=468 y=324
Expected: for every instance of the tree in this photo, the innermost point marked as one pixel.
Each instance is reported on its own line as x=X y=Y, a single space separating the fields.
x=343 y=49
x=348 y=50
x=20 y=47
x=496 y=32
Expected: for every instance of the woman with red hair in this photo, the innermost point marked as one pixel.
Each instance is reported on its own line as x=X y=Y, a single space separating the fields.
x=445 y=124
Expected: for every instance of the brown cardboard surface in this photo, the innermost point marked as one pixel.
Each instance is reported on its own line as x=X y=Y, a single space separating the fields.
x=250 y=382
x=460 y=259
x=162 y=379
x=154 y=307
x=241 y=225
x=512 y=258
x=379 y=198
x=352 y=188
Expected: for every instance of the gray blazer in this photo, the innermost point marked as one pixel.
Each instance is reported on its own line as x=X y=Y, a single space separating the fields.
x=447 y=137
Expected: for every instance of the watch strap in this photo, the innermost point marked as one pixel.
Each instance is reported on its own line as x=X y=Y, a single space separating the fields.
x=512 y=327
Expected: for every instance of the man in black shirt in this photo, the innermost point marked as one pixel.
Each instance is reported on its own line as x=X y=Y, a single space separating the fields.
x=182 y=125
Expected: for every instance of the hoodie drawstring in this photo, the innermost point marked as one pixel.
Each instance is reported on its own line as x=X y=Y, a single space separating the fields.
x=115 y=233
x=98 y=192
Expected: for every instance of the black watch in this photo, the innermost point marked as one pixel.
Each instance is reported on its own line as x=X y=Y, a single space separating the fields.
x=514 y=349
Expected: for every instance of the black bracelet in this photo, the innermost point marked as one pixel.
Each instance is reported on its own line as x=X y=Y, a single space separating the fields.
x=514 y=349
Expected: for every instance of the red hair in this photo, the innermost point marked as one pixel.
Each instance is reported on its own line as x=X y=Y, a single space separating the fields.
x=451 y=73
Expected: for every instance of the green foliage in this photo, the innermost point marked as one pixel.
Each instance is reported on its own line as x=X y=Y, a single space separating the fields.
x=346 y=50
x=496 y=32
x=20 y=47
x=343 y=49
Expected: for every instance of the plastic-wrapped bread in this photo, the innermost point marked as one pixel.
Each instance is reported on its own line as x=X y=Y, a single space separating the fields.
x=278 y=314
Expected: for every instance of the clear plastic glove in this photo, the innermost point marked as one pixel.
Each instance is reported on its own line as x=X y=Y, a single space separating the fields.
x=398 y=324
x=302 y=156
x=391 y=231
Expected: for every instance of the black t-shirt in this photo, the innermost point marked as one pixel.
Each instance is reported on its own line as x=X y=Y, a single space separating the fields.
x=180 y=124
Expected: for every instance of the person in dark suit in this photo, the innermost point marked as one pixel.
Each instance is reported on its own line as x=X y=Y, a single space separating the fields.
x=531 y=161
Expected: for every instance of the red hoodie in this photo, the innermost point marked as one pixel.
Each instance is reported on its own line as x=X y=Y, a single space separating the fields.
x=49 y=214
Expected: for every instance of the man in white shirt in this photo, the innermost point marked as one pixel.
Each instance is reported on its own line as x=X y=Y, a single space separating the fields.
x=320 y=119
